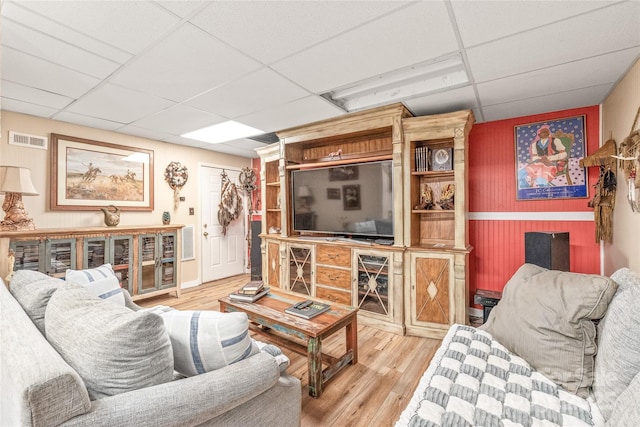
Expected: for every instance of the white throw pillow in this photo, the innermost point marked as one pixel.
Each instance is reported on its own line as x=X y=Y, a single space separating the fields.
x=101 y=282
x=203 y=341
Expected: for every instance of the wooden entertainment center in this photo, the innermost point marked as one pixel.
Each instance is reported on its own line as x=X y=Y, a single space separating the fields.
x=415 y=283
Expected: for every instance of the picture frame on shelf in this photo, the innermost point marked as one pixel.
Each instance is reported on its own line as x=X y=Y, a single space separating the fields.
x=548 y=157
x=87 y=175
x=441 y=159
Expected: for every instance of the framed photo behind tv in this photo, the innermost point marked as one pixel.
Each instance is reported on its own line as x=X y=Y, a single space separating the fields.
x=87 y=174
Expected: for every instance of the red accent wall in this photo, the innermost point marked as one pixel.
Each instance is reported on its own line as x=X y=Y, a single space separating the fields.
x=499 y=244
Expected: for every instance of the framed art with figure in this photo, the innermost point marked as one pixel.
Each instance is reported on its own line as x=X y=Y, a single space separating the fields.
x=547 y=159
x=351 y=197
x=86 y=175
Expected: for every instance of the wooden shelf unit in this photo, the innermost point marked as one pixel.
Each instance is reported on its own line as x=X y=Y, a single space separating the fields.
x=421 y=237
x=161 y=277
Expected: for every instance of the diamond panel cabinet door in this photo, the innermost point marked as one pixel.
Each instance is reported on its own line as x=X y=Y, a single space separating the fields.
x=432 y=281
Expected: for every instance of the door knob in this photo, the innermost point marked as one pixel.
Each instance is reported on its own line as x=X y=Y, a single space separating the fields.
x=206 y=234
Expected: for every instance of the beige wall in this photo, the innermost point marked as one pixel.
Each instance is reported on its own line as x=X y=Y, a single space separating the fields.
x=618 y=113
x=38 y=161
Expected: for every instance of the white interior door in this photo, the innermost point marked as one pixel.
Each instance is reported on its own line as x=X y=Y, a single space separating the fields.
x=222 y=255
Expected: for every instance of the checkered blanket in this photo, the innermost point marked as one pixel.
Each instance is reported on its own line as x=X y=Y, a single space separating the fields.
x=475 y=381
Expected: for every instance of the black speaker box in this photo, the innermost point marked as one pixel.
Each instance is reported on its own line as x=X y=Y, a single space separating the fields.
x=256 y=256
x=547 y=249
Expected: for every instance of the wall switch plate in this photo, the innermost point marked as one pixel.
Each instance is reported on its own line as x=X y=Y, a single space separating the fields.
x=191 y=211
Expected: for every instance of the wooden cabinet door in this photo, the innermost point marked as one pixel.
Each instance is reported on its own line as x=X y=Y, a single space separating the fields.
x=430 y=293
x=300 y=268
x=273 y=264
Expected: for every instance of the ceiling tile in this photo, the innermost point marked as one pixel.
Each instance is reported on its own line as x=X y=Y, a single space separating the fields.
x=92 y=122
x=53 y=50
x=545 y=104
x=118 y=104
x=128 y=25
x=230 y=149
x=183 y=8
x=269 y=31
x=33 y=72
x=143 y=133
x=300 y=112
x=457 y=99
x=483 y=21
x=252 y=93
x=394 y=41
x=561 y=78
x=558 y=44
x=28 y=19
x=246 y=143
x=185 y=64
x=31 y=95
x=182 y=141
x=26 y=107
x=178 y=119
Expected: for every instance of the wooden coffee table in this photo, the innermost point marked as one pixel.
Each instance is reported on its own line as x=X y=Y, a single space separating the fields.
x=304 y=336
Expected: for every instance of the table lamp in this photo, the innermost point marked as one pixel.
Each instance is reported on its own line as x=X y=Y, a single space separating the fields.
x=304 y=194
x=14 y=183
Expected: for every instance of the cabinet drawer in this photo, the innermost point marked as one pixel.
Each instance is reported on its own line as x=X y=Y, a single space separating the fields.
x=339 y=256
x=333 y=295
x=333 y=277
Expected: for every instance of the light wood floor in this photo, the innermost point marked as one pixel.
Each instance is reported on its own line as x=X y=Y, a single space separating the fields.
x=372 y=392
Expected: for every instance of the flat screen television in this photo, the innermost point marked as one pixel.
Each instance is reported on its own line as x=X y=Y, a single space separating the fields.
x=347 y=200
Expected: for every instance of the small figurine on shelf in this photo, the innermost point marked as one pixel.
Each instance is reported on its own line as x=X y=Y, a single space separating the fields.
x=426 y=198
x=446 y=197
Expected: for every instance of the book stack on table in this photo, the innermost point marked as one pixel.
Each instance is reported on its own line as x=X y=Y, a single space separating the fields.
x=250 y=292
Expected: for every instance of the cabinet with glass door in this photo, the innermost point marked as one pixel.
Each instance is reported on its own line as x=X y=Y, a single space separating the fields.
x=378 y=300
x=156 y=269
x=115 y=250
x=49 y=256
x=300 y=259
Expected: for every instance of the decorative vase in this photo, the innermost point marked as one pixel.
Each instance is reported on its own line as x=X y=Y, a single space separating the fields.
x=166 y=217
x=111 y=215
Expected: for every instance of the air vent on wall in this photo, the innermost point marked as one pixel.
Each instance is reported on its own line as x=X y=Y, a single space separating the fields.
x=188 y=248
x=26 y=140
x=266 y=138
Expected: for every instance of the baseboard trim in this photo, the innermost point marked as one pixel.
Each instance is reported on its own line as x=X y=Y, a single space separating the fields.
x=191 y=284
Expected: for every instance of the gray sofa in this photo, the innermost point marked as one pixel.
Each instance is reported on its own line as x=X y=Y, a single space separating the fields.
x=39 y=388
x=559 y=349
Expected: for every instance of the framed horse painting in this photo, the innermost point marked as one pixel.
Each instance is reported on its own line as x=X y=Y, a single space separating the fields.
x=86 y=175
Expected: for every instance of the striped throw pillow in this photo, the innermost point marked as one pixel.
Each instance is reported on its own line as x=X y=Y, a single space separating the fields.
x=101 y=282
x=203 y=341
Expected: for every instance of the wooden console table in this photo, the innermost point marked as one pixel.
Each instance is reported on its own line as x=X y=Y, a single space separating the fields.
x=144 y=258
x=268 y=317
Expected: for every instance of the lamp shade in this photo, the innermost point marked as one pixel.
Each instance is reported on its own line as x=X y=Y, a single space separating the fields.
x=304 y=191
x=15 y=179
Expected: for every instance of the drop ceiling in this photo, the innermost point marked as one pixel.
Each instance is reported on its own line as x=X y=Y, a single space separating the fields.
x=159 y=69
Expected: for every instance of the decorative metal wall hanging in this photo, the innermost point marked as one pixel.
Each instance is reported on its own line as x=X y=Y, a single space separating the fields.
x=230 y=203
x=176 y=176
